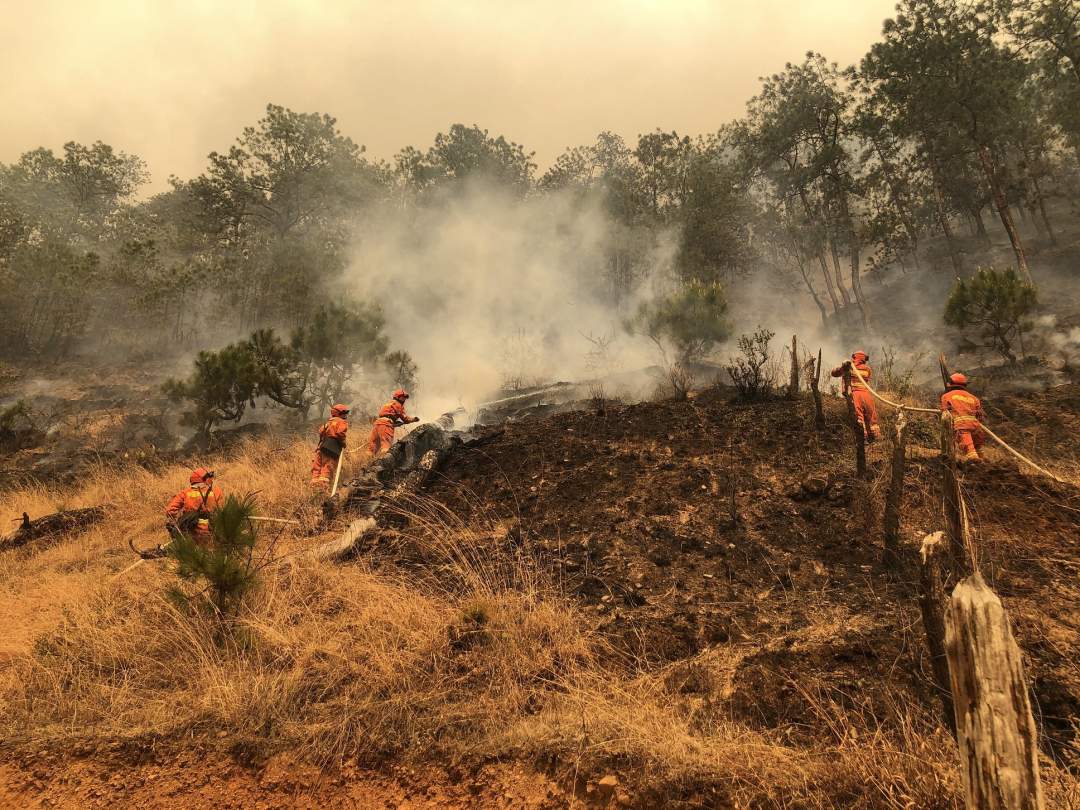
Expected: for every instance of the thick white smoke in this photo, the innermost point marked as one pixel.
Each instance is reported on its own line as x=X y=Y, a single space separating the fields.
x=484 y=289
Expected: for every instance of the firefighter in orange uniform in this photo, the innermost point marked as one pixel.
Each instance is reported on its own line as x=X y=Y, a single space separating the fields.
x=865 y=409
x=190 y=509
x=331 y=445
x=391 y=415
x=967 y=416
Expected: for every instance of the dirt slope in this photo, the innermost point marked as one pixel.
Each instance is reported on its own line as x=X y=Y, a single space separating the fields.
x=723 y=550
x=789 y=604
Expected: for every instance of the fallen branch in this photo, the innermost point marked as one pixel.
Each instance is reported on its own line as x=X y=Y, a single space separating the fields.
x=49 y=525
x=344 y=545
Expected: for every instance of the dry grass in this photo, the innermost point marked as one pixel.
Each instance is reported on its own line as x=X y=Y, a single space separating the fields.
x=336 y=662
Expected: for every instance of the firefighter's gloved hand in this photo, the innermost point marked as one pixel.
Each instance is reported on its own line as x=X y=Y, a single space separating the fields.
x=415 y=419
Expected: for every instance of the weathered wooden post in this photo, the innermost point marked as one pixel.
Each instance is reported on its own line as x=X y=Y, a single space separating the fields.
x=932 y=601
x=952 y=502
x=856 y=428
x=815 y=389
x=995 y=728
x=895 y=495
x=793 y=384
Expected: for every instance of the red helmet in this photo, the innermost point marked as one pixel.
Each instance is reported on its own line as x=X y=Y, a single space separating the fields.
x=200 y=476
x=401 y=395
x=957 y=379
x=339 y=410
x=860 y=357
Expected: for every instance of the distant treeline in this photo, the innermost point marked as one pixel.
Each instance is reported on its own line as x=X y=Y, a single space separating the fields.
x=961 y=110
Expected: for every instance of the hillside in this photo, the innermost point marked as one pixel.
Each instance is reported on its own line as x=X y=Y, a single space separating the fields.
x=567 y=609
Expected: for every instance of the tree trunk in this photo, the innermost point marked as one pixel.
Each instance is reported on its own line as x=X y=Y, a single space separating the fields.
x=821 y=253
x=980 y=227
x=839 y=272
x=815 y=388
x=809 y=284
x=940 y=210
x=996 y=732
x=895 y=496
x=829 y=286
x=1042 y=212
x=989 y=169
x=932 y=603
x=793 y=383
x=856 y=263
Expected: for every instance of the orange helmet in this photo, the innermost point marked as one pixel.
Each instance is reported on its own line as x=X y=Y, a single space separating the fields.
x=401 y=395
x=339 y=410
x=860 y=357
x=200 y=476
x=957 y=379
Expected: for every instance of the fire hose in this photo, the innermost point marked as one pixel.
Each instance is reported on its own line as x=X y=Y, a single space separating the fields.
x=1016 y=453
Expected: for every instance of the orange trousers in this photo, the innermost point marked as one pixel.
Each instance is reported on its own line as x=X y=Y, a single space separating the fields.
x=968 y=443
x=866 y=413
x=382 y=436
x=323 y=468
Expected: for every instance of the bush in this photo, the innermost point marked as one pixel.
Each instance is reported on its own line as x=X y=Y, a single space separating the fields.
x=222 y=386
x=225 y=564
x=890 y=377
x=685 y=326
x=998 y=302
x=315 y=367
x=753 y=374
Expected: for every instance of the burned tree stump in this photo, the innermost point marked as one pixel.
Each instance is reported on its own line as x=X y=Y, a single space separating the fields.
x=51 y=525
x=895 y=495
x=996 y=731
x=815 y=389
x=952 y=503
x=932 y=605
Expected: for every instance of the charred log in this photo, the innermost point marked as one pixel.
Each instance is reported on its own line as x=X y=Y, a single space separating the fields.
x=48 y=526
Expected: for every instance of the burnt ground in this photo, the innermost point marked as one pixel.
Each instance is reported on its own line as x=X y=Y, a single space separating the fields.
x=630 y=511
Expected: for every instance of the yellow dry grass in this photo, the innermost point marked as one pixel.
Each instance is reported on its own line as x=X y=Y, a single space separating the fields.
x=342 y=661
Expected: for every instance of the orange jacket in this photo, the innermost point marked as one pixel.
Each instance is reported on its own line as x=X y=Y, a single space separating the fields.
x=194 y=498
x=856 y=383
x=393 y=411
x=965 y=407
x=335 y=428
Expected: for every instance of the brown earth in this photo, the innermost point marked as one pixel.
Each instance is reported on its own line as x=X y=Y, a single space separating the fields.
x=776 y=614
x=632 y=509
x=130 y=776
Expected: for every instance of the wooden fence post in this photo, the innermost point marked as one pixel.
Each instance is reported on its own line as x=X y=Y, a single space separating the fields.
x=932 y=605
x=952 y=502
x=793 y=384
x=996 y=731
x=895 y=495
x=815 y=389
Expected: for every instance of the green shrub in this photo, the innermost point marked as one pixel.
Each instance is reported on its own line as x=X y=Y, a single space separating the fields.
x=224 y=565
x=995 y=301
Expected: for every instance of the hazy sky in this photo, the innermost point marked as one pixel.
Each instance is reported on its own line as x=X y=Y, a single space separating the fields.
x=171 y=80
